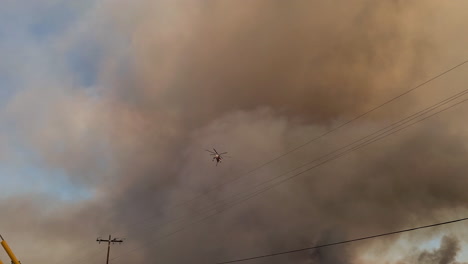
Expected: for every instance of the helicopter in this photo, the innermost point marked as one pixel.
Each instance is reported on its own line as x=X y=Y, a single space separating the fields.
x=217 y=156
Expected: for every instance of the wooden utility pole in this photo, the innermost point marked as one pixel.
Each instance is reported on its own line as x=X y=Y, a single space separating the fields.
x=109 y=241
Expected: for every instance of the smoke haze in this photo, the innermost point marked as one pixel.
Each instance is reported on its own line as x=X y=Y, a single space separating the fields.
x=122 y=101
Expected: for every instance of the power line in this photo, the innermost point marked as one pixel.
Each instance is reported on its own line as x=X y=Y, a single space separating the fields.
x=219 y=186
x=328 y=132
x=380 y=136
x=378 y=133
x=318 y=137
x=331 y=159
x=398 y=123
x=310 y=141
x=365 y=143
x=342 y=242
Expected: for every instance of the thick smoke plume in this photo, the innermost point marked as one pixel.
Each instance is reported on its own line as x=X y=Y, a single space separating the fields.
x=446 y=254
x=256 y=79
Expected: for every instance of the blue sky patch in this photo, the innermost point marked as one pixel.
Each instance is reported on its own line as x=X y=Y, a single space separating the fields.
x=17 y=180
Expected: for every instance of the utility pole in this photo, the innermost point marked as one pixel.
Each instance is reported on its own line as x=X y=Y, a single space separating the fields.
x=109 y=241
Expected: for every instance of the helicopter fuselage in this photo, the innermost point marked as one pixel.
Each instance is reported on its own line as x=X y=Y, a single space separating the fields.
x=216 y=155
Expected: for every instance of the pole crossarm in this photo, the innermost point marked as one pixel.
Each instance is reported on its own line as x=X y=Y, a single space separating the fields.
x=113 y=241
x=109 y=241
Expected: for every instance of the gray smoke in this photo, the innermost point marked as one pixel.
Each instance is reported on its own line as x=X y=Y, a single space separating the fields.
x=445 y=254
x=255 y=79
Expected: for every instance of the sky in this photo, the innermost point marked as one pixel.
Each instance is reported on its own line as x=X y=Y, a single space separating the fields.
x=107 y=107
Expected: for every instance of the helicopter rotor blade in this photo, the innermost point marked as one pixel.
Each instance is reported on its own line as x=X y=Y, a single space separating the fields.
x=215 y=151
x=223 y=153
x=210 y=151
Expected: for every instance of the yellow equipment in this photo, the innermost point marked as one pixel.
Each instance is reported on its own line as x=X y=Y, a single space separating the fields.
x=12 y=256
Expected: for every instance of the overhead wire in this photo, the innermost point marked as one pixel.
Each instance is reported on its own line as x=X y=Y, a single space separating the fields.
x=270 y=187
x=342 y=242
x=219 y=186
x=318 y=137
x=394 y=125
x=378 y=132
x=326 y=133
x=348 y=151
x=380 y=136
